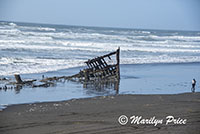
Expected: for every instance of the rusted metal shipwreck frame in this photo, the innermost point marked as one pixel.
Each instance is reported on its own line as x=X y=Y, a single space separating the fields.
x=98 y=74
x=99 y=70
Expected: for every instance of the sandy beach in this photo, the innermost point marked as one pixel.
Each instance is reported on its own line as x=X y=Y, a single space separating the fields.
x=153 y=94
x=100 y=115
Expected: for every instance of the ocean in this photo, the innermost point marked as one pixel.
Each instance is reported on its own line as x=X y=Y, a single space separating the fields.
x=37 y=48
x=151 y=61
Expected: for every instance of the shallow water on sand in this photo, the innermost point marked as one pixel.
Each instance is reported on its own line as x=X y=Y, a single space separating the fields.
x=135 y=79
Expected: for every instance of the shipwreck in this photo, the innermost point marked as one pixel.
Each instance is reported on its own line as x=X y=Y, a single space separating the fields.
x=100 y=72
x=98 y=69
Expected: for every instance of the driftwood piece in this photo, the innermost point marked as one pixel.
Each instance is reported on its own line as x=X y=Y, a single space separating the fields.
x=18 y=79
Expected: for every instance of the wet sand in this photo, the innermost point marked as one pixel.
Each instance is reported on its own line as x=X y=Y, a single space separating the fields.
x=100 y=115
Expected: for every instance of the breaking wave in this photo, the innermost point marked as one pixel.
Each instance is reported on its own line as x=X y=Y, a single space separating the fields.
x=34 y=48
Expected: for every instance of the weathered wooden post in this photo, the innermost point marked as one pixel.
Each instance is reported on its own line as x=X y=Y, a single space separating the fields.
x=118 y=62
x=116 y=86
x=18 y=79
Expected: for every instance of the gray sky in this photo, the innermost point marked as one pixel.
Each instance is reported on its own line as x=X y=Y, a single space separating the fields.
x=146 y=14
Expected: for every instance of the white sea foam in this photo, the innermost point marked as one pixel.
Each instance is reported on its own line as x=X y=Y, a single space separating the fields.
x=20 y=47
x=185 y=38
x=13 y=24
x=90 y=46
x=46 y=29
x=37 y=28
x=33 y=43
x=9 y=31
x=159 y=59
x=10 y=66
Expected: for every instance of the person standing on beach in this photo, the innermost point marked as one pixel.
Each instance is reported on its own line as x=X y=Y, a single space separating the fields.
x=193 y=85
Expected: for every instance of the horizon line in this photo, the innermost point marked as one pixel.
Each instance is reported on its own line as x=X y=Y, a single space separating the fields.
x=44 y=23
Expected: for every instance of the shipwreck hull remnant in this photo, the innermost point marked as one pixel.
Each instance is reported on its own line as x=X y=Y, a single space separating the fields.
x=101 y=72
x=98 y=69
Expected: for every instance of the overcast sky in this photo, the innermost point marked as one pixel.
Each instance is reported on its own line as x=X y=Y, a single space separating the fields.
x=146 y=14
